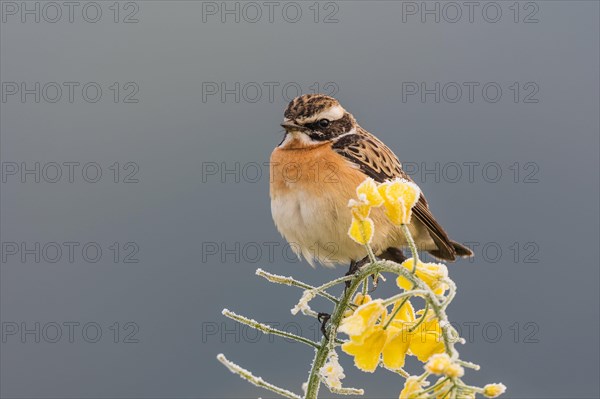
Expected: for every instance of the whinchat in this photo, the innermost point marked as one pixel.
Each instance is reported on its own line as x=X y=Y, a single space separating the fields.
x=315 y=170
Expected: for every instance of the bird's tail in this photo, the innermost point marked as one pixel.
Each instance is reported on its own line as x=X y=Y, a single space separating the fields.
x=450 y=253
x=461 y=250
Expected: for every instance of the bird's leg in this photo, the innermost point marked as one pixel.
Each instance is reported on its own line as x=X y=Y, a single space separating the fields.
x=375 y=278
x=352 y=270
x=354 y=267
x=393 y=254
x=323 y=319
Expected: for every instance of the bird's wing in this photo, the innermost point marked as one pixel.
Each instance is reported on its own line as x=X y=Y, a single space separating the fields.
x=377 y=161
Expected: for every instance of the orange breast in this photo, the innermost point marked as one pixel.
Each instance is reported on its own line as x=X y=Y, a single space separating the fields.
x=310 y=190
x=314 y=170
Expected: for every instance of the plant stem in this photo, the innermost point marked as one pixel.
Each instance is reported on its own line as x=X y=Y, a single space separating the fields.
x=413 y=328
x=468 y=364
x=332 y=283
x=411 y=244
x=268 y=329
x=273 y=278
x=435 y=386
x=257 y=381
x=395 y=312
x=372 y=257
x=402 y=295
x=314 y=380
x=381 y=266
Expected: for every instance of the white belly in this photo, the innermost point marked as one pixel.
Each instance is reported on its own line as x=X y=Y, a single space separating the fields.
x=315 y=228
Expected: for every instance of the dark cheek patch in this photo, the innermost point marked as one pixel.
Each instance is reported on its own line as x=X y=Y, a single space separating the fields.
x=335 y=128
x=342 y=125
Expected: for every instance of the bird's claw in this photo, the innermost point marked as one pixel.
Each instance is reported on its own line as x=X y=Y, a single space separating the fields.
x=323 y=319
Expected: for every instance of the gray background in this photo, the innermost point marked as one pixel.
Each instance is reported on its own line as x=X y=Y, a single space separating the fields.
x=175 y=293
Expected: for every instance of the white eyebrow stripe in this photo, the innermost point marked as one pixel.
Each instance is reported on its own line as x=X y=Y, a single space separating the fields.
x=333 y=114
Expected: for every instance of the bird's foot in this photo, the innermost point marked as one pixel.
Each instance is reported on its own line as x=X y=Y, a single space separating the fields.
x=323 y=319
x=393 y=254
x=354 y=268
x=375 y=282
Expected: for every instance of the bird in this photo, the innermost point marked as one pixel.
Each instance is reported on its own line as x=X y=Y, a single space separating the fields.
x=315 y=170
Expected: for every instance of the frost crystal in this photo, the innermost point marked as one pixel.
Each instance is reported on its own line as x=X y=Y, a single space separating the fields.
x=302 y=305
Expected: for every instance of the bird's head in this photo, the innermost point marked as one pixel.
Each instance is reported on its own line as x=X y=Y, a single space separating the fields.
x=316 y=118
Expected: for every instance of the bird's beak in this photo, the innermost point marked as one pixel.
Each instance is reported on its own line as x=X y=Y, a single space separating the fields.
x=289 y=125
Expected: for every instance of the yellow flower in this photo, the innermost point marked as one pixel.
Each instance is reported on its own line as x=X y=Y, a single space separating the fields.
x=404 y=317
x=442 y=364
x=332 y=372
x=368 y=351
x=427 y=339
x=454 y=371
x=494 y=390
x=360 y=208
x=362 y=228
x=359 y=299
x=412 y=385
x=399 y=196
x=398 y=342
x=368 y=197
x=432 y=274
x=368 y=189
x=373 y=335
x=363 y=318
x=361 y=231
x=438 y=363
x=369 y=340
x=396 y=347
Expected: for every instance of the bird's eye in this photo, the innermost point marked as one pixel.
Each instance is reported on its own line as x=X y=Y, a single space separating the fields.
x=324 y=122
